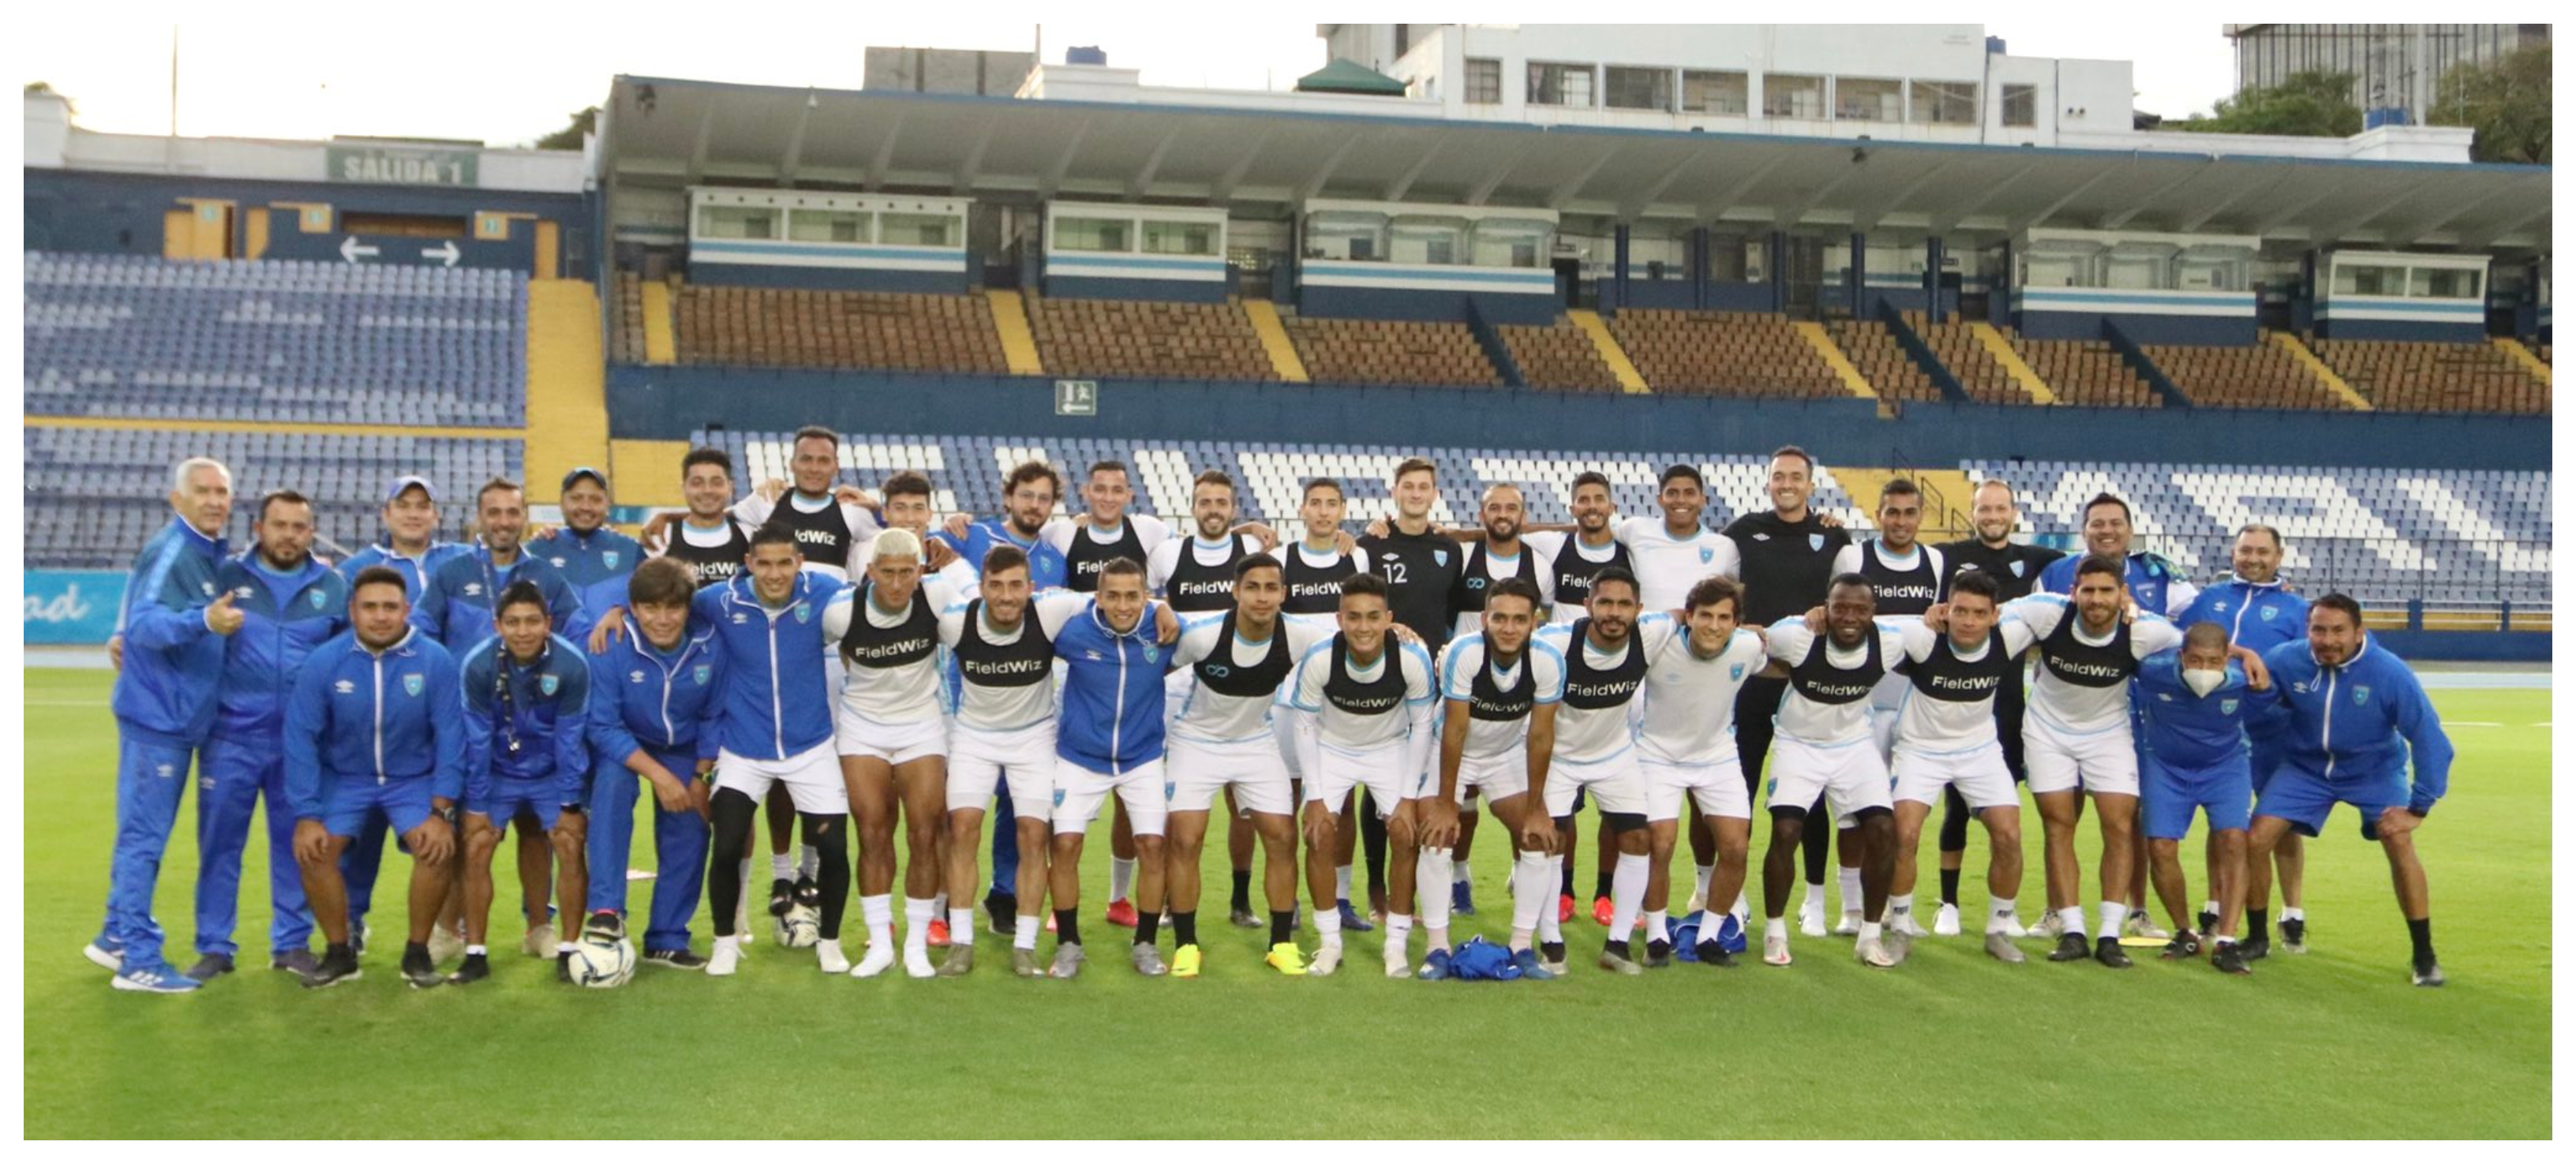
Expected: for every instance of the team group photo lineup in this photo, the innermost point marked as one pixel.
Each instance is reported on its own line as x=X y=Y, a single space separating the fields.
x=866 y=692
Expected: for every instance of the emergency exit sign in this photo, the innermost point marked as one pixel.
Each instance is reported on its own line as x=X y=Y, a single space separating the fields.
x=401 y=166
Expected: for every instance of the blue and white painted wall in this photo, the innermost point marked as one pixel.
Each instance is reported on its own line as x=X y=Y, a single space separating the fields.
x=849 y=242
x=2159 y=288
x=2390 y=295
x=1117 y=251
x=1390 y=260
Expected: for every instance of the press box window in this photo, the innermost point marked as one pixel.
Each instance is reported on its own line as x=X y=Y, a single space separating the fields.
x=1180 y=238
x=1093 y=234
x=827 y=226
x=917 y=230
x=738 y=222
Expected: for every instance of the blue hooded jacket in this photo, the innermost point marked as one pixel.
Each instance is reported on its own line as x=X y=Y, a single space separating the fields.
x=648 y=700
x=596 y=566
x=2188 y=730
x=456 y=605
x=1112 y=718
x=283 y=618
x=359 y=715
x=2359 y=721
x=166 y=691
x=776 y=703
x=544 y=707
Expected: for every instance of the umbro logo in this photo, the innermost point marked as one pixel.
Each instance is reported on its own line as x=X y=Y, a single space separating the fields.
x=635 y=676
x=344 y=687
x=473 y=588
x=1091 y=656
x=1761 y=537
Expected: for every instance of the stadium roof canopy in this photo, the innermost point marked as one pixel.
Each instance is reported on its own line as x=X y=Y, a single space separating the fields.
x=661 y=132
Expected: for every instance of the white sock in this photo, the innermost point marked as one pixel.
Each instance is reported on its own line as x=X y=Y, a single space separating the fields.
x=1851 y=890
x=2005 y=913
x=1869 y=931
x=1457 y=871
x=1428 y=895
x=563 y=947
x=2288 y=912
x=1550 y=929
x=1342 y=882
x=2113 y=913
x=1742 y=909
x=1815 y=894
x=1627 y=894
x=961 y=927
x=485 y=952
x=917 y=912
x=1122 y=873
x=2211 y=907
x=1699 y=879
x=809 y=860
x=1399 y=934
x=878 y=912
x=1774 y=928
x=939 y=901
x=782 y=867
x=1659 y=928
x=1024 y=932
x=2071 y=919
x=1533 y=893
x=1328 y=927
x=1901 y=903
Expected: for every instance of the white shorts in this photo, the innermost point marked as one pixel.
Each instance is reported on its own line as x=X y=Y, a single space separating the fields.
x=1252 y=768
x=1079 y=792
x=1850 y=777
x=1718 y=786
x=981 y=761
x=1882 y=731
x=894 y=743
x=812 y=777
x=1615 y=784
x=1380 y=770
x=2101 y=763
x=1978 y=773
x=1497 y=777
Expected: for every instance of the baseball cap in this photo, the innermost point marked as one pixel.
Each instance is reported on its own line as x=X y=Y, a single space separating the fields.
x=395 y=489
x=581 y=471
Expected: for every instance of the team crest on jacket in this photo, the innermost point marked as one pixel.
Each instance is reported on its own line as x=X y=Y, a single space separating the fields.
x=2020 y=568
x=804 y=612
x=411 y=683
x=1440 y=557
x=547 y=684
x=2269 y=612
x=2227 y=707
x=316 y=596
x=1152 y=652
x=1815 y=541
x=2360 y=695
x=608 y=558
x=704 y=673
x=1706 y=553
x=1735 y=673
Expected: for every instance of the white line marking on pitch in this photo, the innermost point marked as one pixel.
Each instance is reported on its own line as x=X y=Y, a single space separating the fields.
x=2469 y=723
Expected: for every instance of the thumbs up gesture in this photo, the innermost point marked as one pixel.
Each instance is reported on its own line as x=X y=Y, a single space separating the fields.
x=221 y=618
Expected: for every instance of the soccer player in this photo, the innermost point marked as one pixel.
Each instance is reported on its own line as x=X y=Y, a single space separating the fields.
x=1499 y=693
x=412 y=549
x=1498 y=555
x=2078 y=740
x=775 y=726
x=1230 y=667
x=892 y=733
x=1421 y=566
x=711 y=542
x=1605 y=666
x=527 y=762
x=2259 y=613
x=655 y=696
x=1787 y=559
x=2015 y=567
x=593 y=559
x=2357 y=713
x=1002 y=658
x=376 y=724
x=832 y=532
x=1827 y=755
x=2198 y=700
x=1906 y=578
x=1029 y=495
x=290 y=603
x=1686 y=749
x=1315 y=568
x=1109 y=738
x=1956 y=658
x=1196 y=575
x=458 y=609
x=1369 y=696
x=1574 y=557
x=176 y=620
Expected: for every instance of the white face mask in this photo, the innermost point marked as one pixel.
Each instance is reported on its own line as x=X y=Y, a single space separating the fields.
x=2202 y=682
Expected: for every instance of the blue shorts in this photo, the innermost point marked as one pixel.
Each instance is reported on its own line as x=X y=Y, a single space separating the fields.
x=406 y=804
x=2303 y=797
x=2269 y=756
x=506 y=799
x=2169 y=794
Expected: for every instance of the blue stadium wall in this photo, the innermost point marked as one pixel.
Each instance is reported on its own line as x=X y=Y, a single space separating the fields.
x=669 y=403
x=86 y=212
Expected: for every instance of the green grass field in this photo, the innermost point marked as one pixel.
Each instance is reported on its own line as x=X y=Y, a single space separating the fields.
x=1951 y=1044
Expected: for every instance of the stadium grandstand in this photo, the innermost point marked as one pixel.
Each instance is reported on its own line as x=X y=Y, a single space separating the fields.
x=1903 y=248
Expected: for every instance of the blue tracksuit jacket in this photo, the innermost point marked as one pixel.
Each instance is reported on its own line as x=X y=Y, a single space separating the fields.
x=166 y=692
x=359 y=715
x=2361 y=720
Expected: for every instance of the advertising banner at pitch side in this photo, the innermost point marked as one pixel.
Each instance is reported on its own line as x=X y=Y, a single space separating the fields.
x=72 y=606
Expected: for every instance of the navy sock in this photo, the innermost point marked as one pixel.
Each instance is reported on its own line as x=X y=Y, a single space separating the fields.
x=2258 y=925
x=1068 y=926
x=2420 y=931
x=1242 y=890
x=1949 y=887
x=1283 y=926
x=1185 y=927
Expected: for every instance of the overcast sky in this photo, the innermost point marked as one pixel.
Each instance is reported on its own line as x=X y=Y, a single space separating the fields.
x=391 y=71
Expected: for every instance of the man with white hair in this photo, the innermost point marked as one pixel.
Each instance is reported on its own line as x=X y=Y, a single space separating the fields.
x=175 y=621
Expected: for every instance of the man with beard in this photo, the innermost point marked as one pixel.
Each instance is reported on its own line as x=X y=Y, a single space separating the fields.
x=1594 y=754
x=593 y=559
x=1499 y=694
x=2259 y=613
x=1906 y=578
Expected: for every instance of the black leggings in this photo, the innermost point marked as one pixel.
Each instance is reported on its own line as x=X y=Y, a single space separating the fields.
x=732 y=814
x=1373 y=842
x=1755 y=703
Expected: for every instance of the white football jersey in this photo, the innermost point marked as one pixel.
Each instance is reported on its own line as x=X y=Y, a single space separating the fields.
x=1689 y=715
x=2082 y=708
x=1464 y=659
x=1207 y=715
x=1826 y=703
x=1667 y=567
